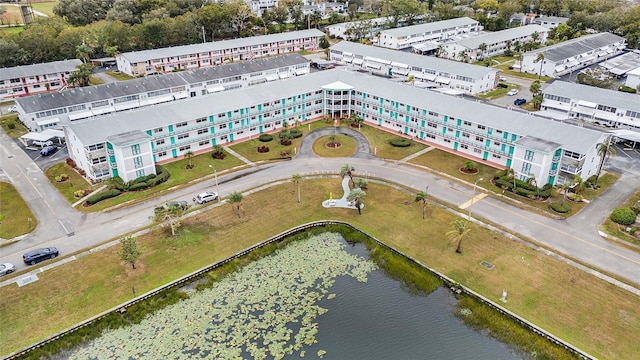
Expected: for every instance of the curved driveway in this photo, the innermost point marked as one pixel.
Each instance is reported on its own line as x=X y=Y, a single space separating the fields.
x=575 y=238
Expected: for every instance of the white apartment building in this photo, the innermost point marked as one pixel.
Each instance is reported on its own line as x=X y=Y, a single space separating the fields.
x=372 y=26
x=496 y=42
x=478 y=131
x=573 y=55
x=408 y=36
x=432 y=71
x=549 y=22
x=33 y=79
x=54 y=110
x=633 y=78
x=605 y=107
x=187 y=57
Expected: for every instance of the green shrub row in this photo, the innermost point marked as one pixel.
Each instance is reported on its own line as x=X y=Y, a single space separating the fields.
x=265 y=137
x=627 y=89
x=624 y=216
x=400 y=142
x=103 y=195
x=142 y=182
x=295 y=133
x=560 y=207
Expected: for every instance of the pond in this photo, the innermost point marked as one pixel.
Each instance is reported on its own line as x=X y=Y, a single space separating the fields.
x=316 y=298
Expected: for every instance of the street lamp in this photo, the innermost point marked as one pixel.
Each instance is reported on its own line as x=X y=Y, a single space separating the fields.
x=473 y=196
x=215 y=174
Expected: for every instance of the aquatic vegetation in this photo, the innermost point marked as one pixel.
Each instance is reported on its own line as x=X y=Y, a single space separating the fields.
x=267 y=309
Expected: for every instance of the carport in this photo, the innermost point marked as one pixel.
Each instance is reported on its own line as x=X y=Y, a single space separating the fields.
x=628 y=135
x=42 y=137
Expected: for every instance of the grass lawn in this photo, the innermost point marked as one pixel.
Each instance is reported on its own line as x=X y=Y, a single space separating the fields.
x=498 y=92
x=18 y=130
x=547 y=292
x=68 y=187
x=119 y=75
x=45 y=7
x=379 y=142
x=347 y=146
x=14 y=214
x=93 y=80
x=11 y=30
x=617 y=230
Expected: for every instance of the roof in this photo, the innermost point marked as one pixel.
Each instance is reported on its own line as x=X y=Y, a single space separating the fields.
x=536 y=143
x=428 y=27
x=501 y=36
x=593 y=94
x=90 y=94
x=375 y=22
x=145 y=55
x=553 y=19
x=128 y=138
x=95 y=130
x=622 y=64
x=39 y=69
x=577 y=46
x=425 y=62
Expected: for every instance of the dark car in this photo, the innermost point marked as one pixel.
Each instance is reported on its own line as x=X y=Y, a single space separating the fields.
x=172 y=204
x=51 y=149
x=520 y=101
x=35 y=256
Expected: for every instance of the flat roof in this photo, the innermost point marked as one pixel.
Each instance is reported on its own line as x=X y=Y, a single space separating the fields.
x=622 y=64
x=501 y=36
x=407 y=58
x=95 y=130
x=428 y=27
x=554 y=19
x=144 y=55
x=39 y=69
x=594 y=94
x=83 y=95
x=128 y=138
x=536 y=143
x=577 y=46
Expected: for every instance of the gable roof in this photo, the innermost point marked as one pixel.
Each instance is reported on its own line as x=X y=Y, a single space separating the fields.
x=54 y=67
x=501 y=36
x=428 y=27
x=577 y=46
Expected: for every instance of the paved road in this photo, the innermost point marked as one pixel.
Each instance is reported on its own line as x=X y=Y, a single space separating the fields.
x=72 y=231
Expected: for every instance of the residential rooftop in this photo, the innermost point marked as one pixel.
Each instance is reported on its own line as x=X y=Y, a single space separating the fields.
x=428 y=27
x=407 y=58
x=54 y=67
x=145 y=55
x=577 y=46
x=95 y=130
x=502 y=36
x=538 y=144
x=594 y=94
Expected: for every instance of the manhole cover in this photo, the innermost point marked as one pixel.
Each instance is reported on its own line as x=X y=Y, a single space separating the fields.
x=27 y=280
x=487 y=265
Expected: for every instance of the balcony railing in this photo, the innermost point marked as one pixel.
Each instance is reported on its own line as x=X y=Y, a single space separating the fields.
x=571 y=169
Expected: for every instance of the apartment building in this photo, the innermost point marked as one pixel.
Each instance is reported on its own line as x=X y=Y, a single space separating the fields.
x=33 y=79
x=408 y=36
x=549 y=22
x=187 y=57
x=54 y=110
x=345 y=30
x=604 y=107
x=496 y=42
x=430 y=71
x=573 y=55
x=504 y=138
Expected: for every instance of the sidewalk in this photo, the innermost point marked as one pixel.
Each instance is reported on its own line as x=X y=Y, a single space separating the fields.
x=244 y=159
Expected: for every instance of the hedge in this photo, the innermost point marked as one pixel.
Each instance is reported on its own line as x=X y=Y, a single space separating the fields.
x=400 y=142
x=138 y=186
x=102 y=196
x=623 y=216
x=561 y=208
x=265 y=137
x=627 y=89
x=295 y=133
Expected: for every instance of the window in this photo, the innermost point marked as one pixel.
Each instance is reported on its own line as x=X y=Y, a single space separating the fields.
x=607 y=108
x=137 y=161
x=162 y=153
x=477 y=151
x=95 y=147
x=183 y=136
x=99 y=160
x=526 y=168
x=100 y=103
x=447 y=141
x=203 y=143
x=157 y=130
x=467 y=123
x=186 y=147
x=160 y=142
x=222 y=126
x=496 y=156
x=464 y=134
x=479 y=138
x=528 y=155
x=203 y=131
x=201 y=120
x=135 y=149
x=463 y=146
x=184 y=123
x=482 y=127
x=139 y=173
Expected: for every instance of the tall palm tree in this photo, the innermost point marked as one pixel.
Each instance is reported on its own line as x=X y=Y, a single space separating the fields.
x=605 y=150
x=296 y=181
x=189 y=155
x=458 y=233
x=347 y=170
x=539 y=59
x=482 y=47
x=236 y=198
x=531 y=180
x=511 y=173
x=421 y=196
x=577 y=183
x=356 y=195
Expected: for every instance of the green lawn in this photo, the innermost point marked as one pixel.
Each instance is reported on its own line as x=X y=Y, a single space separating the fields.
x=11 y=30
x=74 y=183
x=347 y=146
x=44 y=7
x=14 y=214
x=540 y=287
x=498 y=92
x=18 y=128
x=119 y=75
x=379 y=140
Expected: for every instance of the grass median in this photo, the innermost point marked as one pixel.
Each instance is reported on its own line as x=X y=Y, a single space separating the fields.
x=577 y=307
x=16 y=217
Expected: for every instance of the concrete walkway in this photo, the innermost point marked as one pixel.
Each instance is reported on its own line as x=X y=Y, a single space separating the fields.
x=415 y=155
x=244 y=159
x=342 y=202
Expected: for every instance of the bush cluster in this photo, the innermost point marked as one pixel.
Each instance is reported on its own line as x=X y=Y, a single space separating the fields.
x=71 y=162
x=627 y=89
x=400 y=142
x=142 y=182
x=295 y=133
x=560 y=207
x=623 y=216
x=265 y=137
x=11 y=126
x=102 y=196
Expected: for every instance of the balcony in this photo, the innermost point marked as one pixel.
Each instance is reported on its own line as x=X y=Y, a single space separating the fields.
x=571 y=169
x=113 y=165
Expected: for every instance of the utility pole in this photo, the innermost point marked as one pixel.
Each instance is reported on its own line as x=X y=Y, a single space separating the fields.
x=203 y=35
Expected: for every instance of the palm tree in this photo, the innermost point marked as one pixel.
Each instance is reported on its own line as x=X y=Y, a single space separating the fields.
x=357 y=119
x=421 y=196
x=539 y=59
x=236 y=198
x=564 y=187
x=511 y=173
x=356 y=195
x=482 y=47
x=577 y=183
x=535 y=36
x=458 y=233
x=189 y=155
x=440 y=51
x=604 y=151
x=296 y=180
x=517 y=46
x=347 y=170
x=531 y=180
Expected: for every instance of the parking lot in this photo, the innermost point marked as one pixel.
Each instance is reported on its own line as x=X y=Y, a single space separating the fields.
x=44 y=162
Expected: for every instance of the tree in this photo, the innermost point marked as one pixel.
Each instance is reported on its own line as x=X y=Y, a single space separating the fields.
x=82 y=77
x=82 y=12
x=458 y=233
x=239 y=15
x=597 y=77
x=535 y=36
x=236 y=199
x=129 y=251
x=537 y=100
x=296 y=181
x=605 y=150
x=356 y=195
x=577 y=184
x=356 y=119
x=189 y=155
x=539 y=59
x=511 y=173
x=531 y=180
x=11 y=54
x=421 y=197
x=482 y=47
x=170 y=216
x=347 y=170
x=535 y=87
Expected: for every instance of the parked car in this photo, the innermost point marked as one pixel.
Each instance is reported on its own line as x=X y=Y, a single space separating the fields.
x=35 y=256
x=502 y=78
x=172 y=204
x=205 y=197
x=6 y=269
x=512 y=92
x=12 y=108
x=42 y=144
x=49 y=150
x=520 y=101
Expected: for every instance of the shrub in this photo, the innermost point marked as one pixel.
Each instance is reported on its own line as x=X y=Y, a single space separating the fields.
x=400 y=142
x=263 y=149
x=525 y=192
x=469 y=166
x=103 y=195
x=71 y=163
x=11 y=126
x=627 y=89
x=61 y=177
x=623 y=216
x=503 y=85
x=295 y=133
x=560 y=208
x=138 y=186
x=504 y=184
x=78 y=193
x=265 y=137
x=82 y=172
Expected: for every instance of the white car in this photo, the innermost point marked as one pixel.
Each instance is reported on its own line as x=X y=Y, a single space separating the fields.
x=12 y=108
x=6 y=269
x=512 y=92
x=205 y=197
